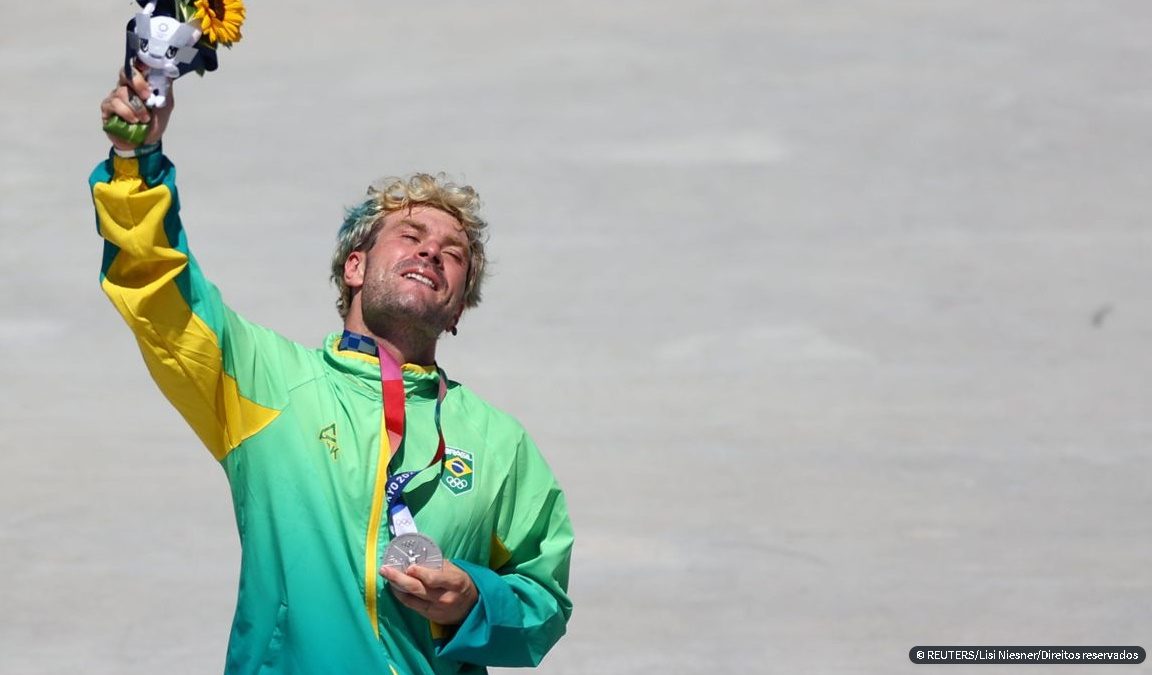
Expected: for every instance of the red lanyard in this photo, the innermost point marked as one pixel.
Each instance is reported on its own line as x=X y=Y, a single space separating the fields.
x=392 y=386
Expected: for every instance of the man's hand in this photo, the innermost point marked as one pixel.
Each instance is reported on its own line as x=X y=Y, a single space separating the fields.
x=444 y=596
x=127 y=102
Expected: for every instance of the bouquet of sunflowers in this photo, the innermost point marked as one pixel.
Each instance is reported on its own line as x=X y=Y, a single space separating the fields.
x=220 y=20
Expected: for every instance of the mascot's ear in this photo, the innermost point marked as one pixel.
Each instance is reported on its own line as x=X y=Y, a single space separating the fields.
x=163 y=7
x=141 y=27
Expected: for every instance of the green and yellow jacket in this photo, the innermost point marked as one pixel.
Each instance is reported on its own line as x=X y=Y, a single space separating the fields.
x=298 y=432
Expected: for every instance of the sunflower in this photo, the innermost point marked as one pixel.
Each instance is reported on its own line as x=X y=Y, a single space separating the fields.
x=220 y=20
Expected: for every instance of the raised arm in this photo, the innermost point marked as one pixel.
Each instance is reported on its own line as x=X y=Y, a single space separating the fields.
x=208 y=361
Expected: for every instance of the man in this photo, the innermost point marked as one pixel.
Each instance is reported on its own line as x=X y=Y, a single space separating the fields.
x=316 y=468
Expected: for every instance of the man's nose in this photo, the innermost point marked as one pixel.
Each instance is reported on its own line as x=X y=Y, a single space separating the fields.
x=431 y=252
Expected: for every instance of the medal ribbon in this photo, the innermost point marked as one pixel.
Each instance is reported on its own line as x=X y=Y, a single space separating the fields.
x=392 y=385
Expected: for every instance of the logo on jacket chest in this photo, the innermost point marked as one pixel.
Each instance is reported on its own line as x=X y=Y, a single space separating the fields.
x=328 y=438
x=458 y=471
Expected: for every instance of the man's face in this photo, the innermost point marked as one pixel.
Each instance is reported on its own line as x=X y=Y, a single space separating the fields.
x=415 y=272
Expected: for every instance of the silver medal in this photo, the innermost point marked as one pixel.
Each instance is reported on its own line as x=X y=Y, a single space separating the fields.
x=413 y=549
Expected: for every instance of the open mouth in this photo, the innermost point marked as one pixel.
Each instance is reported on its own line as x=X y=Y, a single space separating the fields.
x=420 y=278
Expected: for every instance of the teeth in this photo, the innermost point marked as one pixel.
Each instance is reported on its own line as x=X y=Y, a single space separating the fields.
x=421 y=278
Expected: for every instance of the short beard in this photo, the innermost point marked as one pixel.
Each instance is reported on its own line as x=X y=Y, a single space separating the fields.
x=388 y=312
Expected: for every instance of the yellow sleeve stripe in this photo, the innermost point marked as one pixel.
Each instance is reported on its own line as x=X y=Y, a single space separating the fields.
x=181 y=351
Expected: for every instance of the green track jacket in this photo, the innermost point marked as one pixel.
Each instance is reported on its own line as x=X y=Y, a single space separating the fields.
x=298 y=433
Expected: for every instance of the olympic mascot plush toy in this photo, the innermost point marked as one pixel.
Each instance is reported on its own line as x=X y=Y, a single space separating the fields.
x=162 y=44
x=171 y=38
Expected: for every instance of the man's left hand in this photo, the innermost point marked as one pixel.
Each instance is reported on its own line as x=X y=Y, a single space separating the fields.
x=443 y=596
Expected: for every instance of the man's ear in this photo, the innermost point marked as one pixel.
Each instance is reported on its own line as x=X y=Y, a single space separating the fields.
x=354 y=269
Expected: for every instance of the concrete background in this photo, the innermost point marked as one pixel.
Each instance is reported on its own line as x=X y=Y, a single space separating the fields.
x=832 y=317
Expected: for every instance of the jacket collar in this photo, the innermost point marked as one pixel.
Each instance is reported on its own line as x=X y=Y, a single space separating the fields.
x=356 y=355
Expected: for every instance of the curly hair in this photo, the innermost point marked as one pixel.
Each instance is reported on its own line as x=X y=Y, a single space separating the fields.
x=362 y=224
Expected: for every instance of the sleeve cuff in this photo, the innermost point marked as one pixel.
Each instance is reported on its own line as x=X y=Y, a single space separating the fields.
x=138 y=151
x=145 y=162
x=495 y=606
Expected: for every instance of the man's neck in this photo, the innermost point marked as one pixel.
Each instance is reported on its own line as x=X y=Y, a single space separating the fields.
x=406 y=346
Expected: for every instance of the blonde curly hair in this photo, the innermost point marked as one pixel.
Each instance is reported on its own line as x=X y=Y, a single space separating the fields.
x=362 y=223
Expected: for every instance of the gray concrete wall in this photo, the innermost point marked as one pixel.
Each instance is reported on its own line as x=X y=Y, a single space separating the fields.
x=831 y=317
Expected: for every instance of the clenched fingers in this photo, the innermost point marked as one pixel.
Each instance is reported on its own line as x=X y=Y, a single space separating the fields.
x=420 y=605
x=120 y=104
x=448 y=579
x=126 y=101
x=445 y=596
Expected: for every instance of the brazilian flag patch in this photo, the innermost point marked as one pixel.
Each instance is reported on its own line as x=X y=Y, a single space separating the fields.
x=457 y=475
